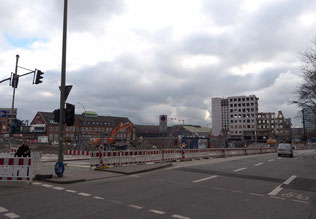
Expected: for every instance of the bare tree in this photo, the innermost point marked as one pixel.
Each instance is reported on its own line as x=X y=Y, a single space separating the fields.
x=306 y=92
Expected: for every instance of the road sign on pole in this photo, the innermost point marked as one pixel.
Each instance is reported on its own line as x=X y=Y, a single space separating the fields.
x=3 y=113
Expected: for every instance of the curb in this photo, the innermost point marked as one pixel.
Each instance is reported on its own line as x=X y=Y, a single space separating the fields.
x=133 y=172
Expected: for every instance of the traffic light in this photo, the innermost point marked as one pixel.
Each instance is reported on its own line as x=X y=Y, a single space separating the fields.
x=56 y=115
x=39 y=77
x=15 y=80
x=70 y=114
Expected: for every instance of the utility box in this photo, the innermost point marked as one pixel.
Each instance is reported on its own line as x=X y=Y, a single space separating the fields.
x=196 y=142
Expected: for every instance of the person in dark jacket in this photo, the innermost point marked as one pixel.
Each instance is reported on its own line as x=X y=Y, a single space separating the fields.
x=23 y=151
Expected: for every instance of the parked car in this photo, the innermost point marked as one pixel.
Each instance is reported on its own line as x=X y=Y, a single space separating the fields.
x=285 y=149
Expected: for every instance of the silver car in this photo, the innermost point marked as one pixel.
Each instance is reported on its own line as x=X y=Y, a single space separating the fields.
x=285 y=149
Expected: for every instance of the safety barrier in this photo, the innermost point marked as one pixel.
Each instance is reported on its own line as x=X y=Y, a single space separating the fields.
x=16 y=169
x=113 y=158
x=75 y=152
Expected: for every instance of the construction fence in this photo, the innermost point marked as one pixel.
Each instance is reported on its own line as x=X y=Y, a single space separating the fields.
x=117 y=158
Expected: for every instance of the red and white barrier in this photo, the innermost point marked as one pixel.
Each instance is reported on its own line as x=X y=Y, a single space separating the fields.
x=75 y=152
x=16 y=169
x=112 y=158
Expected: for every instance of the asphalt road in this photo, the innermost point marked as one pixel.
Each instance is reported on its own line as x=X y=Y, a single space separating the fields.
x=260 y=186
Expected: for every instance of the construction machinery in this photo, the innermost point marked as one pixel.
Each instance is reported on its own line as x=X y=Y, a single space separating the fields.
x=119 y=138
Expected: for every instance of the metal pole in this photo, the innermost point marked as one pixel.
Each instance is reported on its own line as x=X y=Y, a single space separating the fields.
x=13 y=97
x=304 y=128
x=62 y=87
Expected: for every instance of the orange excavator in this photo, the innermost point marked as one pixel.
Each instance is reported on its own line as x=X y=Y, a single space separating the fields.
x=112 y=139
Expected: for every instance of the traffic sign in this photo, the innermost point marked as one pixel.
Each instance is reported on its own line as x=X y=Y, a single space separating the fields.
x=59 y=169
x=3 y=113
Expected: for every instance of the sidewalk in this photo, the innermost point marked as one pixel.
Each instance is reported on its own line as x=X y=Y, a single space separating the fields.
x=76 y=174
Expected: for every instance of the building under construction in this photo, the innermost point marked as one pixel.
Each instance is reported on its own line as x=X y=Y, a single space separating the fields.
x=273 y=127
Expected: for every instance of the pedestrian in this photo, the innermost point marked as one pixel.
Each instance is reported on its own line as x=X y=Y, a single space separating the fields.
x=24 y=150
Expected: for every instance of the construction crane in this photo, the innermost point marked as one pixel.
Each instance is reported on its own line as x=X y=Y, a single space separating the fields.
x=112 y=139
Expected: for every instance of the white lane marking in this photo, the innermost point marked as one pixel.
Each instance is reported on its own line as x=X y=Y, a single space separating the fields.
x=258 y=164
x=270 y=160
x=135 y=206
x=240 y=169
x=36 y=183
x=278 y=188
x=279 y=158
x=47 y=185
x=71 y=191
x=300 y=201
x=58 y=188
x=3 y=210
x=84 y=194
x=179 y=216
x=12 y=215
x=97 y=197
x=207 y=178
x=256 y=194
x=275 y=191
x=289 y=180
x=237 y=191
x=156 y=211
x=275 y=197
x=219 y=188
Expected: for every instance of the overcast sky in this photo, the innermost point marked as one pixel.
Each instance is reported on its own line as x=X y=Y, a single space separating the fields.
x=143 y=58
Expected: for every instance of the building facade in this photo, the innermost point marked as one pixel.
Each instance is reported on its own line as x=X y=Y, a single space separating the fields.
x=235 y=116
x=220 y=116
x=86 y=126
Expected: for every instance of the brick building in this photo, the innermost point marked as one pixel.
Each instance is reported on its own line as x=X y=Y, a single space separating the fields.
x=88 y=125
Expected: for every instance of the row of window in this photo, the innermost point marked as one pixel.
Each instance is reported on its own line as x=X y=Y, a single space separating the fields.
x=242 y=110
x=236 y=116
x=241 y=104
x=241 y=99
x=242 y=127
x=242 y=121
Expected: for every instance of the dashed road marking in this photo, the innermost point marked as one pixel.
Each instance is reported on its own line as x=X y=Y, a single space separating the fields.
x=240 y=169
x=157 y=212
x=135 y=206
x=97 y=197
x=261 y=195
x=58 y=188
x=36 y=183
x=207 y=178
x=84 y=194
x=12 y=215
x=237 y=191
x=47 y=185
x=279 y=158
x=258 y=164
x=270 y=160
x=179 y=216
x=300 y=201
x=3 y=210
x=70 y=191
x=275 y=197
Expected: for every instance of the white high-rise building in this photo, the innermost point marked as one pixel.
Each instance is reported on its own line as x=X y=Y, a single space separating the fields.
x=220 y=116
x=237 y=115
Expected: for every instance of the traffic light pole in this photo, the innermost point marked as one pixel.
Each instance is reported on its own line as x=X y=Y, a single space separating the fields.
x=62 y=87
x=13 y=97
